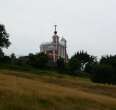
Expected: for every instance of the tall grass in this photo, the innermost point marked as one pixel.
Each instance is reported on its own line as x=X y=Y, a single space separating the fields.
x=43 y=92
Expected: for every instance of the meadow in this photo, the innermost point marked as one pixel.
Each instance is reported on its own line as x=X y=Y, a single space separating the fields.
x=53 y=91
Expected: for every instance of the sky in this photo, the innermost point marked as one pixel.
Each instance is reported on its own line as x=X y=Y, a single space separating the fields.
x=88 y=25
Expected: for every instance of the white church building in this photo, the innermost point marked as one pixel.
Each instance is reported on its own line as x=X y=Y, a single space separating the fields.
x=55 y=49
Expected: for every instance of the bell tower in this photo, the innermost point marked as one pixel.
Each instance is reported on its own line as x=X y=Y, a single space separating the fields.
x=56 y=44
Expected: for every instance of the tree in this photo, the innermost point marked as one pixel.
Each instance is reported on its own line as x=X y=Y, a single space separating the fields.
x=109 y=60
x=84 y=58
x=60 y=64
x=31 y=59
x=103 y=73
x=13 y=58
x=4 y=37
x=89 y=68
x=74 y=65
x=1 y=54
x=4 y=41
x=39 y=60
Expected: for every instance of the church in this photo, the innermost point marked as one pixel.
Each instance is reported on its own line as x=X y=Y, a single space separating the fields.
x=55 y=49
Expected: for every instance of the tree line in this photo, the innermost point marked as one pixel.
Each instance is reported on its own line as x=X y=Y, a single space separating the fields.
x=81 y=63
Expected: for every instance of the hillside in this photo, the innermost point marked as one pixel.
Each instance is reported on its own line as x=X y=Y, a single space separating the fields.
x=26 y=91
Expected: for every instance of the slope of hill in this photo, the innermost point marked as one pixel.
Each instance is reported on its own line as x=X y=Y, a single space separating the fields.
x=26 y=91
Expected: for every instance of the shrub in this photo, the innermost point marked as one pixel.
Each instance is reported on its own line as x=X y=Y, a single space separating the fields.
x=103 y=74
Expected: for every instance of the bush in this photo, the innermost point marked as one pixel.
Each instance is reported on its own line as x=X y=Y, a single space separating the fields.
x=73 y=66
x=39 y=60
x=103 y=74
x=89 y=68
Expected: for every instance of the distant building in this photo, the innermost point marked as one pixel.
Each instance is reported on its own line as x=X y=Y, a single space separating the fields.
x=55 y=49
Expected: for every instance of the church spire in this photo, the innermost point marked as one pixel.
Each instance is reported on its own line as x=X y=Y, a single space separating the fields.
x=55 y=32
x=55 y=36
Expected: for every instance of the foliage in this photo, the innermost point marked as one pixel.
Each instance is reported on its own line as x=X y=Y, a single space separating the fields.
x=39 y=60
x=109 y=60
x=4 y=37
x=79 y=61
x=13 y=58
x=89 y=68
x=4 y=43
x=60 y=64
x=84 y=57
x=1 y=54
x=74 y=65
x=103 y=73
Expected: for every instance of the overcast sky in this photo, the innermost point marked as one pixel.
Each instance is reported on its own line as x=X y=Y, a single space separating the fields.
x=88 y=25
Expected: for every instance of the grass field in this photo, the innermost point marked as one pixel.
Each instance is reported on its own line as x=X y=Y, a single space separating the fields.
x=26 y=91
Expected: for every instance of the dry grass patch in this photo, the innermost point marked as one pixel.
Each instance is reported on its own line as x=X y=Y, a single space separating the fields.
x=23 y=91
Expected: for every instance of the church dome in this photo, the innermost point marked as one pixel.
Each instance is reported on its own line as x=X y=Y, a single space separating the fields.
x=63 y=39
